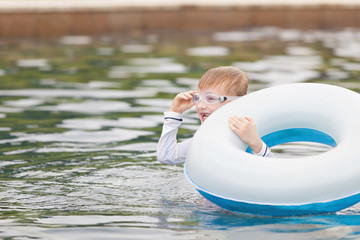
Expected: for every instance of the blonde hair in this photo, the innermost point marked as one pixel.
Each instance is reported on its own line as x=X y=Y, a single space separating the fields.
x=231 y=80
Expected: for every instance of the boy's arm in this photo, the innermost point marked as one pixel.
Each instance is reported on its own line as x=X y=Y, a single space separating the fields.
x=168 y=150
x=265 y=151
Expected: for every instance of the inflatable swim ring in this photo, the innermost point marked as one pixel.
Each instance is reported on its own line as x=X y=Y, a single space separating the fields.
x=221 y=168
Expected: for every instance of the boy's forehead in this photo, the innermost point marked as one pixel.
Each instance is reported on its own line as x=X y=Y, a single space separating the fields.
x=218 y=89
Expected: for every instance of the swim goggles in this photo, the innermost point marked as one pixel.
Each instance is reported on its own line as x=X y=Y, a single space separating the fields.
x=211 y=98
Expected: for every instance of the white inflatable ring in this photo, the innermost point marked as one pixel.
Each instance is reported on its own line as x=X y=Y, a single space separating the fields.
x=223 y=172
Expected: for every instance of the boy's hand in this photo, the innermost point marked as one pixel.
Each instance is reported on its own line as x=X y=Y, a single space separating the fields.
x=182 y=102
x=245 y=128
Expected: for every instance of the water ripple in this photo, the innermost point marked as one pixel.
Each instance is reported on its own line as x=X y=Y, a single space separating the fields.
x=105 y=136
x=79 y=93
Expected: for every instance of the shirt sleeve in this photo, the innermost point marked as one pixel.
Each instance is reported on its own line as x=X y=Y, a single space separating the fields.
x=265 y=151
x=169 y=151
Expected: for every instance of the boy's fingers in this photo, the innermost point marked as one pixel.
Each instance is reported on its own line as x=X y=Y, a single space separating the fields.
x=235 y=124
x=237 y=119
x=233 y=127
x=234 y=118
x=184 y=96
x=188 y=95
x=250 y=119
x=233 y=121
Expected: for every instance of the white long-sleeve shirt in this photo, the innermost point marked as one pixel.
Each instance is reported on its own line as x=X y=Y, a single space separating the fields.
x=169 y=151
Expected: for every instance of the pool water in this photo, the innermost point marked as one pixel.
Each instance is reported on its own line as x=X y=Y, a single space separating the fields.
x=80 y=119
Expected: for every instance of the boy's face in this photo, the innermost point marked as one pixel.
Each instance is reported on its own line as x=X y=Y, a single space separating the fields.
x=203 y=109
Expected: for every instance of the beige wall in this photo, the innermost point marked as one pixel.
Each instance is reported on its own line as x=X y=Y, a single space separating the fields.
x=50 y=25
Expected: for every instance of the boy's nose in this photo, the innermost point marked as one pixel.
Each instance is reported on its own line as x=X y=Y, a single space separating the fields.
x=201 y=104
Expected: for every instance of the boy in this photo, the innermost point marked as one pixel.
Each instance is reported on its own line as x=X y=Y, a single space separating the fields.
x=217 y=87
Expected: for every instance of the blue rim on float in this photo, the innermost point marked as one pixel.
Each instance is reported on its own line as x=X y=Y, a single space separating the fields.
x=278 y=210
x=296 y=135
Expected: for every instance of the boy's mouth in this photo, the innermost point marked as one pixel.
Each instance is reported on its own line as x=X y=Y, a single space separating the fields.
x=204 y=116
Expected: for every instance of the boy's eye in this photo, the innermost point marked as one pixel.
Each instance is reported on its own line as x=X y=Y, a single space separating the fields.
x=211 y=98
x=196 y=98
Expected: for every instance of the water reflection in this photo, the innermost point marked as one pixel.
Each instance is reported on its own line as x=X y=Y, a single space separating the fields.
x=88 y=85
x=139 y=66
x=98 y=123
x=24 y=103
x=88 y=107
x=79 y=93
x=113 y=135
x=75 y=40
x=163 y=85
x=33 y=63
x=136 y=48
x=282 y=69
x=207 y=51
x=105 y=51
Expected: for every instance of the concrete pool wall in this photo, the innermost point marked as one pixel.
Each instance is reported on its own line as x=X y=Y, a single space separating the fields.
x=50 y=24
